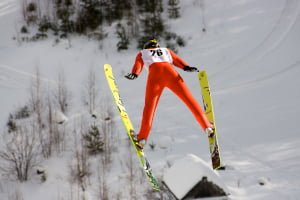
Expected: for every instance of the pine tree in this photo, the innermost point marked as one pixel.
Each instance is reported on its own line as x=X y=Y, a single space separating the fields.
x=174 y=9
x=30 y=13
x=141 y=19
x=22 y=112
x=11 y=124
x=152 y=24
x=64 y=12
x=94 y=140
x=90 y=15
x=124 y=40
x=120 y=9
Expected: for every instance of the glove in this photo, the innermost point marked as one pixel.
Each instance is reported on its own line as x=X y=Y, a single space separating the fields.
x=131 y=76
x=190 y=69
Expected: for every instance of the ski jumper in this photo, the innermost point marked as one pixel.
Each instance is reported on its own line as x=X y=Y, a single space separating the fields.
x=162 y=74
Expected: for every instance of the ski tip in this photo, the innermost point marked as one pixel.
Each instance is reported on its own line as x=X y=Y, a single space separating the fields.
x=106 y=66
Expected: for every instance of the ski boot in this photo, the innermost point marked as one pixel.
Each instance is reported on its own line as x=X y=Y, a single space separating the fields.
x=138 y=143
x=210 y=131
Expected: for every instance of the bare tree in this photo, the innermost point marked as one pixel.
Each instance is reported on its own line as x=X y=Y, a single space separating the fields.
x=132 y=177
x=102 y=183
x=37 y=97
x=16 y=195
x=55 y=132
x=202 y=6
x=82 y=171
x=106 y=124
x=80 y=168
x=62 y=94
x=51 y=133
x=20 y=153
x=57 y=106
x=38 y=104
x=91 y=91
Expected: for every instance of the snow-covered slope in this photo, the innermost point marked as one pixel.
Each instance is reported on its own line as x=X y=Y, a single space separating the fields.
x=250 y=50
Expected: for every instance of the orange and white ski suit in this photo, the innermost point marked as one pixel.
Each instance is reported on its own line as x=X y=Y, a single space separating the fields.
x=162 y=74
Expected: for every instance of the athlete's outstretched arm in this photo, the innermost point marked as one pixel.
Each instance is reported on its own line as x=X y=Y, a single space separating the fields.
x=137 y=67
x=179 y=62
x=138 y=64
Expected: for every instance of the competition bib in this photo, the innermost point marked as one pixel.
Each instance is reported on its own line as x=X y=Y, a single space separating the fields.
x=156 y=55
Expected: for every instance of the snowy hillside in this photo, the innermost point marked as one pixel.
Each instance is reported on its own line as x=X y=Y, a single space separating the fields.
x=250 y=50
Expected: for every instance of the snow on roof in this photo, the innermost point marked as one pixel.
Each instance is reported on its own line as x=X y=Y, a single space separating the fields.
x=186 y=173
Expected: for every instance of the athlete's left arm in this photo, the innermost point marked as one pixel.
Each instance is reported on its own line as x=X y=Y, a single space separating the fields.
x=177 y=61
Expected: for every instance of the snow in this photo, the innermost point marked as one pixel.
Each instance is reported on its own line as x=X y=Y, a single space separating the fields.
x=59 y=117
x=250 y=51
x=186 y=172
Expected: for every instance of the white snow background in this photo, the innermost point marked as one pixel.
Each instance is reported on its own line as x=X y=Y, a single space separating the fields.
x=251 y=52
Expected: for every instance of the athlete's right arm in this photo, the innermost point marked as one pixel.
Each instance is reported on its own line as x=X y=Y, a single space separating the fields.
x=138 y=64
x=137 y=67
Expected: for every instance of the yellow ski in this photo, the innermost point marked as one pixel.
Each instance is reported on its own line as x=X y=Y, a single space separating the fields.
x=129 y=127
x=209 y=111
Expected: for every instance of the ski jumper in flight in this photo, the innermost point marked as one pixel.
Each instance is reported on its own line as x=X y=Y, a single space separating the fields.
x=161 y=75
